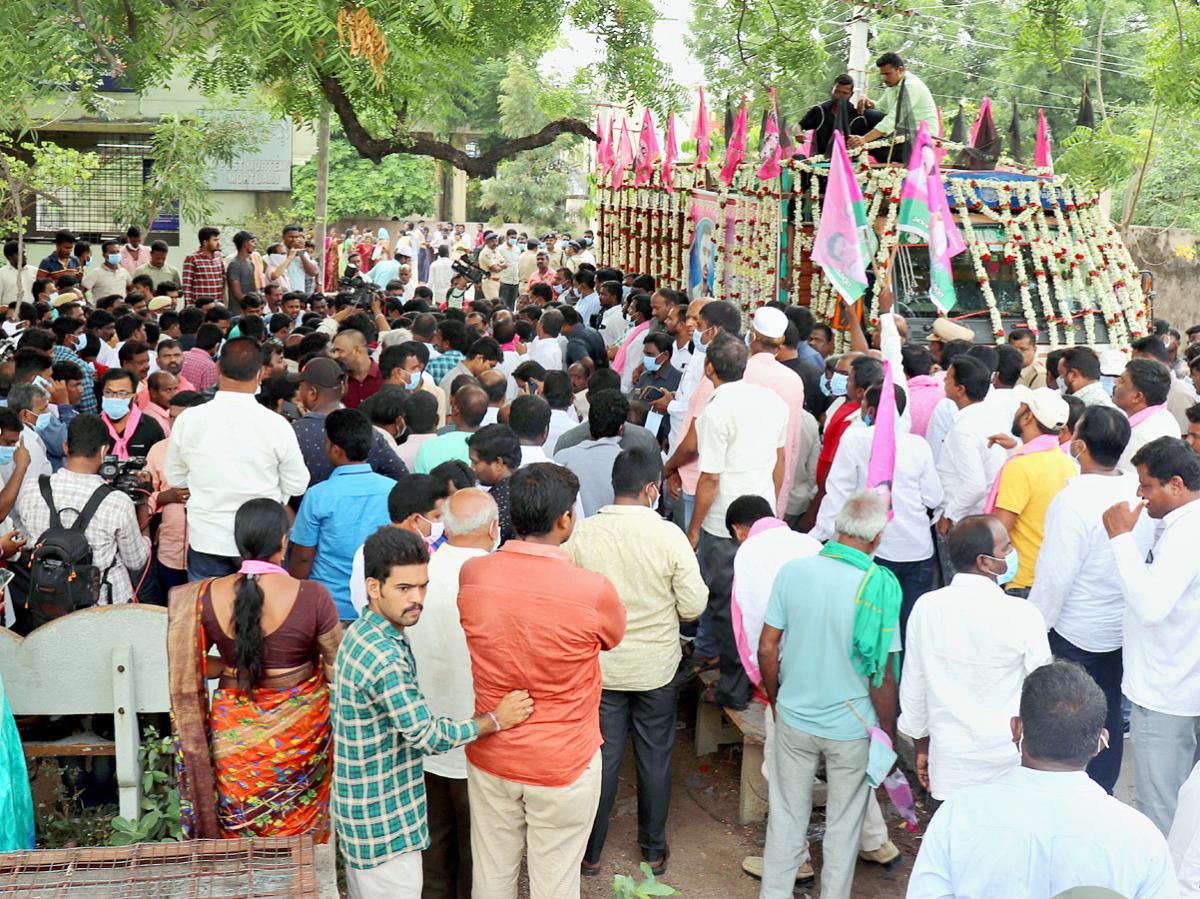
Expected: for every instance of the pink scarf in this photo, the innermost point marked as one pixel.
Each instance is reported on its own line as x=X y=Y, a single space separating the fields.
x=256 y=567
x=120 y=447
x=1138 y=417
x=1038 y=444
x=619 y=361
x=511 y=346
x=748 y=653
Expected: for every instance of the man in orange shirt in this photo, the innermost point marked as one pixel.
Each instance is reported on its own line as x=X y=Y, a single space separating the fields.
x=529 y=614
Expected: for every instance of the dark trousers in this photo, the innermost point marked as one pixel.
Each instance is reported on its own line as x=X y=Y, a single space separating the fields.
x=650 y=714
x=716 y=564
x=1106 y=669
x=509 y=294
x=446 y=864
x=170 y=578
x=916 y=579
x=206 y=565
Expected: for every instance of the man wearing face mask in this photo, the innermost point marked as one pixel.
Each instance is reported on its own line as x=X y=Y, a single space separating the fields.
x=1076 y=585
x=472 y=529
x=414 y=505
x=968 y=648
x=109 y=277
x=1033 y=475
x=510 y=275
x=132 y=431
x=1080 y=368
x=68 y=334
x=31 y=404
x=337 y=515
x=658 y=374
x=1045 y=827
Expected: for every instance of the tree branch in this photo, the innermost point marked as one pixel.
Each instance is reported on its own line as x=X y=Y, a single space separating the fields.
x=483 y=166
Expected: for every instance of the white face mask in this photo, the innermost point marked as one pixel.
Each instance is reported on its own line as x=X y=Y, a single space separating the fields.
x=435 y=530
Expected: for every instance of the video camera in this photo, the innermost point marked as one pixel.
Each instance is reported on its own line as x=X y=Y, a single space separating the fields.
x=362 y=291
x=126 y=475
x=468 y=270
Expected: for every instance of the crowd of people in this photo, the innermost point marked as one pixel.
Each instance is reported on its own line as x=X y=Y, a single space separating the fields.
x=451 y=521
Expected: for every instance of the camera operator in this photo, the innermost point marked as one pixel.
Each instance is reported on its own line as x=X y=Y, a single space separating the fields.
x=131 y=431
x=115 y=531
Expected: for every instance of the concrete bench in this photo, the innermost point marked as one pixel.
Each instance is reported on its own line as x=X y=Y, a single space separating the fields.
x=719 y=725
x=107 y=660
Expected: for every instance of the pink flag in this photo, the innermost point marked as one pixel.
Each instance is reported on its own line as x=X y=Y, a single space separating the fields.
x=1041 y=153
x=647 y=151
x=610 y=151
x=603 y=149
x=985 y=114
x=700 y=133
x=772 y=152
x=670 y=154
x=804 y=150
x=840 y=245
x=623 y=158
x=881 y=468
x=735 y=146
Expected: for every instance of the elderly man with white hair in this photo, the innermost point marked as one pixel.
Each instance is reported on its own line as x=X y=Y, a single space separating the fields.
x=831 y=679
x=472 y=529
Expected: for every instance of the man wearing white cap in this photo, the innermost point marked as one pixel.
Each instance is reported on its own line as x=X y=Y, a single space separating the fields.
x=766 y=337
x=1031 y=478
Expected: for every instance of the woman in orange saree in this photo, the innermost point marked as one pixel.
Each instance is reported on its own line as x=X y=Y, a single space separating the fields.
x=256 y=760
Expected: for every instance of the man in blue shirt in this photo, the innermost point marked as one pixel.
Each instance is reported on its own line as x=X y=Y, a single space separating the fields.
x=834 y=677
x=337 y=515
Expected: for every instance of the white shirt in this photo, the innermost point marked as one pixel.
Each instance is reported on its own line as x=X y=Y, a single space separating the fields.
x=681 y=355
x=1004 y=403
x=546 y=352
x=738 y=437
x=440 y=649
x=491 y=415
x=440 y=275
x=967 y=466
x=677 y=408
x=967 y=650
x=226 y=452
x=634 y=355
x=8 y=284
x=1161 y=424
x=1162 y=615
x=1094 y=394
x=588 y=306
x=613 y=325
x=1075 y=584
x=1037 y=834
x=561 y=421
x=1184 y=839
x=941 y=420
x=39 y=464
x=915 y=488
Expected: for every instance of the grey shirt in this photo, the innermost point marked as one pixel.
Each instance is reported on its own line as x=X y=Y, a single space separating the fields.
x=635 y=435
x=592 y=462
x=242 y=271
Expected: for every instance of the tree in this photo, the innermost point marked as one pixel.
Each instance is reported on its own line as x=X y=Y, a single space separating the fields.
x=398 y=185
x=184 y=150
x=533 y=187
x=391 y=72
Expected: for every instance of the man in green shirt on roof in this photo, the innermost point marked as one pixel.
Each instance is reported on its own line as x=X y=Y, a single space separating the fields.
x=906 y=103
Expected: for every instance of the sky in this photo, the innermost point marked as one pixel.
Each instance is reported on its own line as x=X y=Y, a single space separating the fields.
x=669 y=31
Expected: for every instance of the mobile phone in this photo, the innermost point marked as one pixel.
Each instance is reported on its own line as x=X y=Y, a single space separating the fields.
x=6 y=575
x=652 y=393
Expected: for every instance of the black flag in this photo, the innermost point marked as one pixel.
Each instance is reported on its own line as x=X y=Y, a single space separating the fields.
x=1086 y=117
x=958 y=133
x=1014 y=135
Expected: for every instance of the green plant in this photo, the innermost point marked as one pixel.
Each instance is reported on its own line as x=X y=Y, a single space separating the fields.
x=61 y=820
x=160 y=821
x=626 y=887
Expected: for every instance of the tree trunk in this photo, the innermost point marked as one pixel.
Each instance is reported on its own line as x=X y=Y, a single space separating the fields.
x=1099 y=42
x=1131 y=204
x=14 y=190
x=322 y=211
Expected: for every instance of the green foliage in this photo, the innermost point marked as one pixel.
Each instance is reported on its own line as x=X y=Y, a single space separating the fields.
x=1102 y=157
x=1173 y=58
x=160 y=821
x=625 y=887
x=65 y=821
x=30 y=169
x=185 y=150
x=399 y=185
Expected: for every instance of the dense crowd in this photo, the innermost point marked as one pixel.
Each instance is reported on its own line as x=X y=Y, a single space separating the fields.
x=451 y=518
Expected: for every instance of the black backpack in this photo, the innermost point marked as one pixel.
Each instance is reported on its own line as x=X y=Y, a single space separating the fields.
x=62 y=577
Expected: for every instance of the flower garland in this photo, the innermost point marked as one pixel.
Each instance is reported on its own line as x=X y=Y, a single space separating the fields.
x=1050 y=252
x=978 y=250
x=1071 y=259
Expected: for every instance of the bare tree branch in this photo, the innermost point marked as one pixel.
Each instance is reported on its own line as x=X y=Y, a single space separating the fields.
x=482 y=166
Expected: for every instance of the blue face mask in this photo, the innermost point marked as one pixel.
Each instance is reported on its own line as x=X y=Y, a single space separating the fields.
x=115 y=407
x=43 y=421
x=651 y=363
x=1011 y=563
x=836 y=386
x=6 y=454
x=113 y=258
x=868 y=420
x=1107 y=382
x=414 y=380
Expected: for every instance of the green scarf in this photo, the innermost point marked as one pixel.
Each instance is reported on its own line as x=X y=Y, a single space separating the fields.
x=876 y=612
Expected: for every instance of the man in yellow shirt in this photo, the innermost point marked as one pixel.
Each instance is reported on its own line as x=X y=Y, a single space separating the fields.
x=1032 y=477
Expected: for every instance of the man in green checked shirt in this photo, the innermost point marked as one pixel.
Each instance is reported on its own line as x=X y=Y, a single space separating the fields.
x=905 y=104
x=382 y=726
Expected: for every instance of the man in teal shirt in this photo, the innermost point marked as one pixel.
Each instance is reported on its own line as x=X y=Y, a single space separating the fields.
x=905 y=104
x=832 y=678
x=467 y=409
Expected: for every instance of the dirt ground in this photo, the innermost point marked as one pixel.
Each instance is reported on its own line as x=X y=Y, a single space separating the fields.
x=707 y=842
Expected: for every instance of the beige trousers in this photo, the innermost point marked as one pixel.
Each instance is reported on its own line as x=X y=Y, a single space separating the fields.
x=550 y=824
